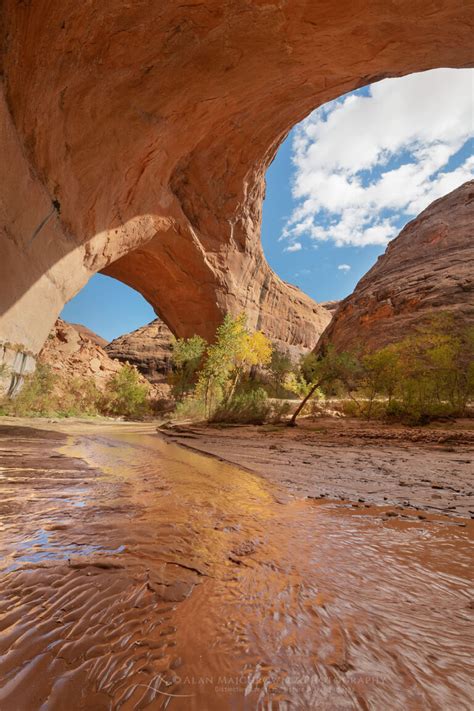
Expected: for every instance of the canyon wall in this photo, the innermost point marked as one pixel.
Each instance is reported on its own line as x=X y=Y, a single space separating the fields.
x=70 y=353
x=135 y=139
x=148 y=348
x=426 y=270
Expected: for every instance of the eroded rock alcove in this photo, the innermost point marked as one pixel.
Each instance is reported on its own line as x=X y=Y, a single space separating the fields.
x=135 y=139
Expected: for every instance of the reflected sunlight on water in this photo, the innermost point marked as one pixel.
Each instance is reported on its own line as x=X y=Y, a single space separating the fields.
x=183 y=582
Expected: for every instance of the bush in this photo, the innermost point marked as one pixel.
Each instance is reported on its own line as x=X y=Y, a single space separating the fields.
x=279 y=410
x=251 y=407
x=81 y=398
x=36 y=397
x=46 y=394
x=190 y=408
x=126 y=395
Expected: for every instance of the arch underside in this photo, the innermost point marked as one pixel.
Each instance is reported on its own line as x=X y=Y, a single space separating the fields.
x=136 y=137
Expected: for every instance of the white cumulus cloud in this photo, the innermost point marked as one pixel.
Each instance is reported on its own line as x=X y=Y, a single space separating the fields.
x=344 y=267
x=364 y=164
x=294 y=247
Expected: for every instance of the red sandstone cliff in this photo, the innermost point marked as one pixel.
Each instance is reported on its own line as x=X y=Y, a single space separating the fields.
x=135 y=137
x=72 y=351
x=427 y=269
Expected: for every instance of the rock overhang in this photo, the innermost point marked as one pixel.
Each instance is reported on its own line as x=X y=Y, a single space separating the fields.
x=141 y=133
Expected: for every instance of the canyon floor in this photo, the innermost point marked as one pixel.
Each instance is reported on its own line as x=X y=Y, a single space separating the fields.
x=426 y=468
x=137 y=574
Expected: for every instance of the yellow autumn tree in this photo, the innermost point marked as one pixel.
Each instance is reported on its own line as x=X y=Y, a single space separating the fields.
x=252 y=350
x=235 y=351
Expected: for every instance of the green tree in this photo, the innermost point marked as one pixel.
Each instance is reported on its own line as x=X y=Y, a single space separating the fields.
x=186 y=359
x=308 y=366
x=435 y=367
x=279 y=368
x=380 y=375
x=126 y=394
x=235 y=351
x=331 y=368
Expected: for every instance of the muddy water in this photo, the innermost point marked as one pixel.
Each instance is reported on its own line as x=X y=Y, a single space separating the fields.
x=157 y=578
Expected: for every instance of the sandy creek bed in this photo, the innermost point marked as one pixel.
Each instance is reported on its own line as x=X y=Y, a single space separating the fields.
x=138 y=575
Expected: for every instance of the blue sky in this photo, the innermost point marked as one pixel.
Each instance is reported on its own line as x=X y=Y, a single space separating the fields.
x=343 y=183
x=314 y=268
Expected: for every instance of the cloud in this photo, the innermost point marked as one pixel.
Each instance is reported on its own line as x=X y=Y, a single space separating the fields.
x=344 y=267
x=293 y=247
x=366 y=163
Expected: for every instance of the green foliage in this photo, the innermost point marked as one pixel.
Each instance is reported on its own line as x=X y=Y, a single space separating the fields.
x=186 y=358
x=250 y=407
x=427 y=375
x=191 y=408
x=80 y=398
x=235 y=351
x=328 y=370
x=295 y=383
x=380 y=375
x=279 y=369
x=46 y=394
x=434 y=372
x=126 y=395
x=279 y=410
x=36 y=397
x=308 y=367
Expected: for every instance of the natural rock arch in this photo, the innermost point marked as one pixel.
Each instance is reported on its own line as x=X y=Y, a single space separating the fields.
x=135 y=139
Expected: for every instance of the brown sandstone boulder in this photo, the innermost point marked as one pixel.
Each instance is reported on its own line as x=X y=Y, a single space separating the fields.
x=427 y=269
x=89 y=335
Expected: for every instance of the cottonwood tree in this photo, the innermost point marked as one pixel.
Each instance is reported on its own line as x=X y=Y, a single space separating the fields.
x=235 y=351
x=186 y=358
x=328 y=370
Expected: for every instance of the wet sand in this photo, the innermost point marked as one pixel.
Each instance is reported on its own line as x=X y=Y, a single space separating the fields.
x=136 y=574
x=429 y=469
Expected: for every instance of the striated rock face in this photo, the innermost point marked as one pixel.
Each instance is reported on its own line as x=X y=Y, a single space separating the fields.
x=427 y=269
x=135 y=137
x=148 y=349
x=330 y=306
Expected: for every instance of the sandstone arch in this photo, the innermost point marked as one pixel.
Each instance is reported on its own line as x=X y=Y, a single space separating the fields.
x=135 y=138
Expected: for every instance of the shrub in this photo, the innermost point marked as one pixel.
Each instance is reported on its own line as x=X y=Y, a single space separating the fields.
x=279 y=410
x=191 y=408
x=126 y=395
x=36 y=397
x=81 y=397
x=251 y=407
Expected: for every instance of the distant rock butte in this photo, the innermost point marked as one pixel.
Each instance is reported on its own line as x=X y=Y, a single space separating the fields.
x=72 y=353
x=148 y=348
x=427 y=269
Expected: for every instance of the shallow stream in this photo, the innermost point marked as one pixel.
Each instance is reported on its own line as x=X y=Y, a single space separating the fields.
x=159 y=578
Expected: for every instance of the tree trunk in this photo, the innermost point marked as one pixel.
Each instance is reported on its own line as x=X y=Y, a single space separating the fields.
x=292 y=422
x=233 y=387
